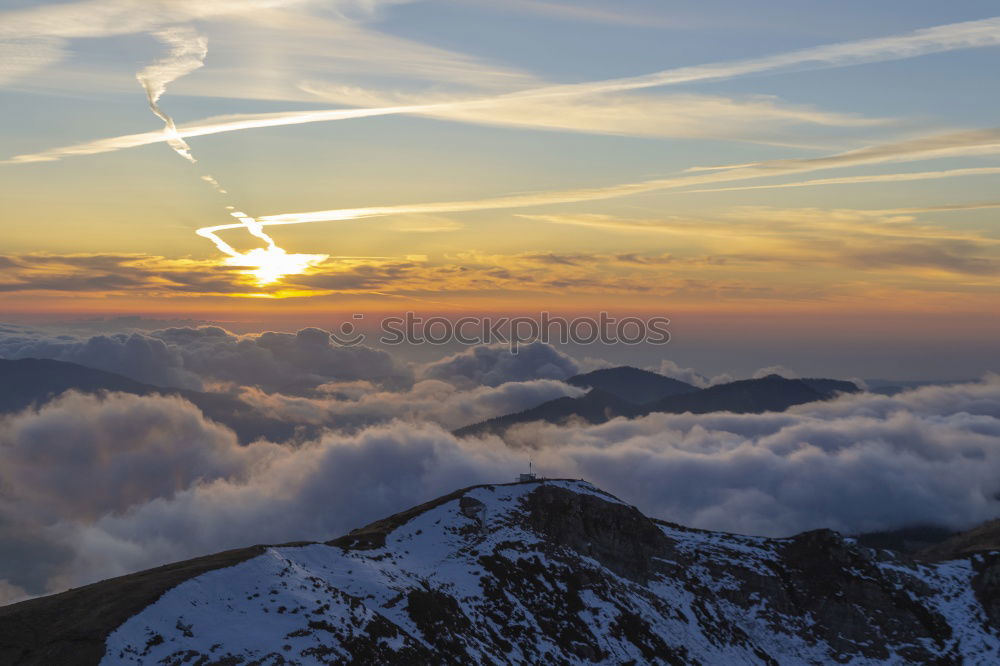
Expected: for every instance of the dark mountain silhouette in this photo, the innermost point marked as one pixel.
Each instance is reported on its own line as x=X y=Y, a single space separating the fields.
x=830 y=387
x=910 y=539
x=596 y=406
x=541 y=572
x=631 y=384
x=34 y=381
x=767 y=394
x=773 y=393
x=980 y=539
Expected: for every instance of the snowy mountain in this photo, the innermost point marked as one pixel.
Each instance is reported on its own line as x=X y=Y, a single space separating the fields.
x=541 y=572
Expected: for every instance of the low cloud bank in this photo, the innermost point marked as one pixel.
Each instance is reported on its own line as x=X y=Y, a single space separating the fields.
x=492 y=365
x=94 y=487
x=190 y=357
x=432 y=401
x=669 y=368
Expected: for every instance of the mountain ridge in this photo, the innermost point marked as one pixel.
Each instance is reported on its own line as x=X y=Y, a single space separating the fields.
x=545 y=571
x=763 y=394
x=632 y=384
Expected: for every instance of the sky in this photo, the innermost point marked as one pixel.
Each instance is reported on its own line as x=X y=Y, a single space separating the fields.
x=196 y=192
x=806 y=183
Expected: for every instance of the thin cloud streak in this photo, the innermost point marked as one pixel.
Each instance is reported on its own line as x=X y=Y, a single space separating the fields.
x=971 y=34
x=473 y=111
x=880 y=178
x=21 y=57
x=104 y=18
x=938 y=39
x=914 y=149
x=943 y=208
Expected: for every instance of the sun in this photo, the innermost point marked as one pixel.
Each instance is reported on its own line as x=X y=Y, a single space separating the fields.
x=270 y=264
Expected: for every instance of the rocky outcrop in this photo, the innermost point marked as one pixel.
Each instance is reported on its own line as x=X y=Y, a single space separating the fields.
x=616 y=535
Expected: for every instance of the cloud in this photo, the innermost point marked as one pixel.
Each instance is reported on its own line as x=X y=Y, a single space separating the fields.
x=938 y=39
x=33 y=38
x=139 y=356
x=105 y=455
x=857 y=463
x=103 y=18
x=669 y=368
x=187 y=357
x=21 y=57
x=709 y=257
x=10 y=594
x=875 y=178
x=81 y=458
x=425 y=224
x=429 y=401
x=615 y=116
x=323 y=488
x=137 y=274
x=962 y=257
x=487 y=365
x=187 y=53
x=759 y=119
x=928 y=147
x=206 y=127
x=886 y=241
x=580 y=12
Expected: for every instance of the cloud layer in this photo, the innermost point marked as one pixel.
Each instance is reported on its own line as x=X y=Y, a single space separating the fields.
x=95 y=487
x=185 y=357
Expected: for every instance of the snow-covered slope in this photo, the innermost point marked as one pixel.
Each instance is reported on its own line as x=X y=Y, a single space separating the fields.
x=553 y=572
x=560 y=572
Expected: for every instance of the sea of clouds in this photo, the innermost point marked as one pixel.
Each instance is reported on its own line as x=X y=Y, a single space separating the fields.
x=97 y=486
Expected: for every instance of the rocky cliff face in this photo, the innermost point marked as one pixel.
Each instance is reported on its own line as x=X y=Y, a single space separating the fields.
x=559 y=572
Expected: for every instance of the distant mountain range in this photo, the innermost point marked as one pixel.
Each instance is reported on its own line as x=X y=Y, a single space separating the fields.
x=622 y=391
x=35 y=381
x=632 y=392
x=541 y=572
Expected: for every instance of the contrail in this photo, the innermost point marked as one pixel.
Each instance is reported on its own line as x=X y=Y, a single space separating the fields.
x=938 y=145
x=938 y=39
x=214 y=125
x=187 y=53
x=553 y=198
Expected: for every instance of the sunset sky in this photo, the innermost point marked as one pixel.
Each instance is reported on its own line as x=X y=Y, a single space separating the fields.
x=808 y=183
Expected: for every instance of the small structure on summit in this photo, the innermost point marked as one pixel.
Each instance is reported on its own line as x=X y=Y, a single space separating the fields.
x=530 y=476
